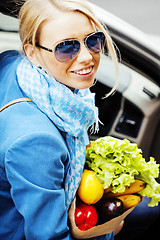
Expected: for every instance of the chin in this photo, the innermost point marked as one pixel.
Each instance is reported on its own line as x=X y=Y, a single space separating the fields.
x=81 y=84
x=86 y=84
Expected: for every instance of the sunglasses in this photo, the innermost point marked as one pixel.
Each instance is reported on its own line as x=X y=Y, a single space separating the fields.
x=67 y=50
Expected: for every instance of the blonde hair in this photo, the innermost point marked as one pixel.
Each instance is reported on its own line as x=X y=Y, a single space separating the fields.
x=34 y=12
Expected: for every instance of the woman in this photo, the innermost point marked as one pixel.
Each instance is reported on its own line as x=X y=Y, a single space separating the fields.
x=43 y=142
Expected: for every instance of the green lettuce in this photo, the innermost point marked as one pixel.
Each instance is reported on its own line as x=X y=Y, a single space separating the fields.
x=117 y=163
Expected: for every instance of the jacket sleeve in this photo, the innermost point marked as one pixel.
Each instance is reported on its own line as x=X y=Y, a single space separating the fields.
x=35 y=169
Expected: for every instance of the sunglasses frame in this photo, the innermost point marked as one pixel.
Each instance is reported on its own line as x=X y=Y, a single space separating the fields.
x=85 y=42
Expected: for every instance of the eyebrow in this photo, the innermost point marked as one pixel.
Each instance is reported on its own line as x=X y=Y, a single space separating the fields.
x=68 y=39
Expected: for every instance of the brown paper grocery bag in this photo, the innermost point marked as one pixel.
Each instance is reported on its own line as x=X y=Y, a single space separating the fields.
x=96 y=230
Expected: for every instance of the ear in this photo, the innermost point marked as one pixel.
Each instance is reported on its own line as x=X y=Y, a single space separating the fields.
x=31 y=54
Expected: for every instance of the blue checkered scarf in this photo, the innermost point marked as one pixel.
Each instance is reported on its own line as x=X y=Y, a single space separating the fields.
x=72 y=112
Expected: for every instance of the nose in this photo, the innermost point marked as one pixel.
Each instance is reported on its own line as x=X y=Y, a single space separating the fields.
x=84 y=55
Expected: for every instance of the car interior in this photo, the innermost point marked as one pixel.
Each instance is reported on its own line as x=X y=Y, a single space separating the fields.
x=132 y=112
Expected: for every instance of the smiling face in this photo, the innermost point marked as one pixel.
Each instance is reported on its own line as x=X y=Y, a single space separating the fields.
x=79 y=73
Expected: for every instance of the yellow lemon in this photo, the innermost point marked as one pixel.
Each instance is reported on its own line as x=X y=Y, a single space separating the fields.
x=90 y=189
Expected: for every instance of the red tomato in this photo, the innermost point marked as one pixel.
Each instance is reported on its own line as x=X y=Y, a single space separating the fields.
x=85 y=216
x=79 y=217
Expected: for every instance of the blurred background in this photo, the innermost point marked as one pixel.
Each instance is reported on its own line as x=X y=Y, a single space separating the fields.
x=143 y=14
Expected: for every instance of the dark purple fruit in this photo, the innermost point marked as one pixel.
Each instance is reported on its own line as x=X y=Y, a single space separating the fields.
x=109 y=209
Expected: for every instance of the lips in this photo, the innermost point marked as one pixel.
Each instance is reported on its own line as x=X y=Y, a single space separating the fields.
x=84 y=71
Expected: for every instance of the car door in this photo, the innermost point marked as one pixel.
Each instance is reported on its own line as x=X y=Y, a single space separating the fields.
x=133 y=112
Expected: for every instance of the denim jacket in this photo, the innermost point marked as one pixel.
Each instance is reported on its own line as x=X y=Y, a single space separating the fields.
x=33 y=161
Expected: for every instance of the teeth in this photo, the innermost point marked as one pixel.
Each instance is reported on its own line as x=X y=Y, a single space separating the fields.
x=85 y=71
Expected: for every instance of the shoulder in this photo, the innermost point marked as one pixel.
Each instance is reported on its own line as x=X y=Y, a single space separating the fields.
x=9 y=88
x=9 y=57
x=9 y=61
x=24 y=119
x=34 y=145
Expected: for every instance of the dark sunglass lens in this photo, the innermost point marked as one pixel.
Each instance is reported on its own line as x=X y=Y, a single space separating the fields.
x=95 y=42
x=67 y=50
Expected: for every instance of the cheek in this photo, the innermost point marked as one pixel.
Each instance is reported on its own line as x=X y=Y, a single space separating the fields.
x=52 y=66
x=60 y=71
x=97 y=60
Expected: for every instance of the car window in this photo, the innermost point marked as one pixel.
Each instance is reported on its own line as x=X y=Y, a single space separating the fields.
x=8 y=24
x=9 y=37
